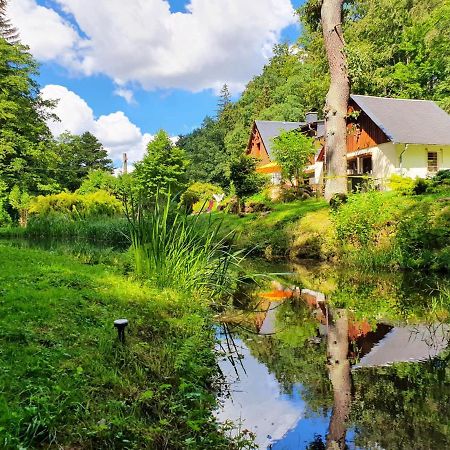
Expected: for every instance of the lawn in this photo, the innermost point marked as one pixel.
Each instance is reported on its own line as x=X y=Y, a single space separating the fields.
x=67 y=382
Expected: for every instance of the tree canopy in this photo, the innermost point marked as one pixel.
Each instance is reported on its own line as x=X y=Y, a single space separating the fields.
x=163 y=168
x=292 y=150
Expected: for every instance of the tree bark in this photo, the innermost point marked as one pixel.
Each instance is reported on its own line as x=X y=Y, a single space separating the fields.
x=337 y=99
x=340 y=376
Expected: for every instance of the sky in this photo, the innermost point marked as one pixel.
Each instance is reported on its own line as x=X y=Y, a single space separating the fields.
x=125 y=69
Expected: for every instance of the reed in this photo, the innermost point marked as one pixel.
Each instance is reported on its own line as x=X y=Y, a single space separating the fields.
x=173 y=251
x=113 y=230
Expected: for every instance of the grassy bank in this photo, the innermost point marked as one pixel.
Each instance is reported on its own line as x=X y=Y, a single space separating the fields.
x=268 y=234
x=375 y=229
x=67 y=382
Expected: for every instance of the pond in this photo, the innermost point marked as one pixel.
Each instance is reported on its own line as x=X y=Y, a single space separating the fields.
x=316 y=357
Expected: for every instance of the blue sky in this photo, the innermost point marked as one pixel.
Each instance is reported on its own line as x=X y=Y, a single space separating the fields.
x=123 y=70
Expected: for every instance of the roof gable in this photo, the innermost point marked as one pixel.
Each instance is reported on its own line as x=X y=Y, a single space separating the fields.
x=271 y=129
x=407 y=121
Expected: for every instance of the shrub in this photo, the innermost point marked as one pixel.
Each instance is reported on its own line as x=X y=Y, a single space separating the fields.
x=440 y=182
x=409 y=186
x=403 y=185
x=73 y=205
x=423 y=234
x=289 y=194
x=198 y=193
x=363 y=216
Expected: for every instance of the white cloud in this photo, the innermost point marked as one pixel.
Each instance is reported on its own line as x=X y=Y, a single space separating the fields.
x=141 y=41
x=75 y=114
x=116 y=132
x=49 y=36
x=127 y=94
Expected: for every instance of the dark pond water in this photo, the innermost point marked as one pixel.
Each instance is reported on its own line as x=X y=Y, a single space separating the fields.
x=321 y=358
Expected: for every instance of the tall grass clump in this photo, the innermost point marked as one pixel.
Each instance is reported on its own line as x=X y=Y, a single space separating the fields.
x=173 y=251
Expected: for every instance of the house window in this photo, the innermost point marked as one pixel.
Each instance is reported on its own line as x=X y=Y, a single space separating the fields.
x=367 y=165
x=432 y=162
x=352 y=167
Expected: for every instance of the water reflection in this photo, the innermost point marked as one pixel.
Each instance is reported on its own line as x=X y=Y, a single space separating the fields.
x=345 y=366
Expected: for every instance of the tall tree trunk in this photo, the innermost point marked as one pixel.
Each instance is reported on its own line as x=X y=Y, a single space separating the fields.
x=337 y=99
x=340 y=376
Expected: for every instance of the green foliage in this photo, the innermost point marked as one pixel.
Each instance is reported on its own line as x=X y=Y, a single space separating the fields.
x=19 y=199
x=383 y=229
x=403 y=185
x=198 y=193
x=5 y=218
x=99 y=180
x=113 y=230
x=423 y=235
x=172 y=251
x=409 y=186
x=398 y=48
x=163 y=168
x=26 y=150
x=292 y=151
x=205 y=149
x=361 y=218
x=246 y=181
x=440 y=182
x=77 y=156
x=95 y=204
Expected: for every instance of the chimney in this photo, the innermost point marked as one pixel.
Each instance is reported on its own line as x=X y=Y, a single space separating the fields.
x=311 y=117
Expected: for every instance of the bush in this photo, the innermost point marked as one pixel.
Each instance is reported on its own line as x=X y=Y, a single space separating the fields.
x=360 y=220
x=424 y=233
x=440 y=182
x=403 y=185
x=289 y=194
x=198 y=193
x=409 y=186
x=73 y=205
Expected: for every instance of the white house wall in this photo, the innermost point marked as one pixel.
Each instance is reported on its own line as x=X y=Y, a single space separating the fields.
x=390 y=158
x=384 y=161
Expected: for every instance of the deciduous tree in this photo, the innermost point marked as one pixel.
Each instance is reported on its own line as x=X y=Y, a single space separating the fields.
x=336 y=100
x=293 y=150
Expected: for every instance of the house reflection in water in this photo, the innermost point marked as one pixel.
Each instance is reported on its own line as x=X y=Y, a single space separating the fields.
x=259 y=402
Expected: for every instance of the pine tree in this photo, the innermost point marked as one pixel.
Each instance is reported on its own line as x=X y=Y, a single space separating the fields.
x=224 y=100
x=7 y=30
x=163 y=168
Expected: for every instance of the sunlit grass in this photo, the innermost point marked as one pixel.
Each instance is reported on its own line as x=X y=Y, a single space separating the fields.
x=66 y=382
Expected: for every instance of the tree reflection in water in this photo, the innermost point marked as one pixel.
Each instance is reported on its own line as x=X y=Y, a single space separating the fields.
x=401 y=397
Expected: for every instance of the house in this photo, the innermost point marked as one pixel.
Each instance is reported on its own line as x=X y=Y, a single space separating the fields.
x=385 y=136
x=260 y=145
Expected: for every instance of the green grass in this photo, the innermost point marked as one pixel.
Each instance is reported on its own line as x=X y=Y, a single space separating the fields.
x=267 y=234
x=113 y=230
x=66 y=382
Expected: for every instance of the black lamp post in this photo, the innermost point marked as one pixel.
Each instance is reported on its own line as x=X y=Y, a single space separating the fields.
x=121 y=324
